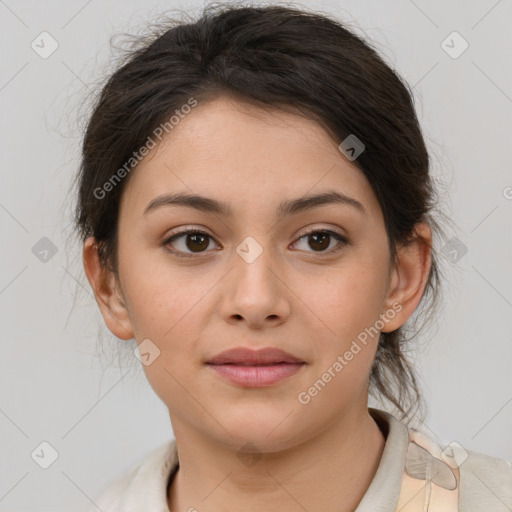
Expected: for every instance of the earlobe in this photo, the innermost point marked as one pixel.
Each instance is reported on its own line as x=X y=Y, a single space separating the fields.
x=409 y=277
x=107 y=292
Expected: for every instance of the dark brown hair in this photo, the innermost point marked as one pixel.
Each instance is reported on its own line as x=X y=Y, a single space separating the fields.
x=274 y=57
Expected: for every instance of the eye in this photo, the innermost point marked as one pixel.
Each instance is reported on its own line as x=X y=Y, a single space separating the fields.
x=193 y=239
x=321 y=239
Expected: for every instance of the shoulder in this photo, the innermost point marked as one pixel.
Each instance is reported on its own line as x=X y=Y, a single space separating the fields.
x=110 y=498
x=475 y=481
x=148 y=475
x=485 y=483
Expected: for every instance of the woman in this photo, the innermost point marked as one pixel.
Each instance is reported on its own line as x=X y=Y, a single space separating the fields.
x=255 y=207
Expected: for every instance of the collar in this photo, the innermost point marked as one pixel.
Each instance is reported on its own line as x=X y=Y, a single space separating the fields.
x=384 y=490
x=145 y=487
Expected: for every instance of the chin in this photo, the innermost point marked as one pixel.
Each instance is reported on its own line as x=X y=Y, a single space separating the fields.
x=267 y=432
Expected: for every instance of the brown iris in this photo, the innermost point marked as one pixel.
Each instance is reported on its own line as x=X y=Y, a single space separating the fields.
x=320 y=240
x=197 y=241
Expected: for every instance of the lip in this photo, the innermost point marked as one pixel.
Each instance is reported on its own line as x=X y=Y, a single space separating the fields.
x=256 y=376
x=255 y=368
x=246 y=356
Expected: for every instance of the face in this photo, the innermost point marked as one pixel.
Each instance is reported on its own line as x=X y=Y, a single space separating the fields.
x=309 y=280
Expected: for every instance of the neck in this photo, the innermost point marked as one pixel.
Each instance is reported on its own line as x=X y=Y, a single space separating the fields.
x=337 y=464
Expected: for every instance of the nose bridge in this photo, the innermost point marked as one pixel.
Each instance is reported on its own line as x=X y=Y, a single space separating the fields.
x=253 y=262
x=254 y=291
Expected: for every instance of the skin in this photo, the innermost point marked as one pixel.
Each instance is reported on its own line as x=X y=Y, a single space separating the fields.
x=295 y=295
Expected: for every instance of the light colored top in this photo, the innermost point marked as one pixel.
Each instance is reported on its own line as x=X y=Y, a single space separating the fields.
x=414 y=475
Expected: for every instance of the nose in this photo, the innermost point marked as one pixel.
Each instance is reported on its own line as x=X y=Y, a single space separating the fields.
x=255 y=290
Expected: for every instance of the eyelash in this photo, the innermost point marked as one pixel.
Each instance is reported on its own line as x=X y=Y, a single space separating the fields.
x=317 y=254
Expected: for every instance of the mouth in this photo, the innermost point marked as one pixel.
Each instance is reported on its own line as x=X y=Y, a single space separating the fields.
x=242 y=356
x=255 y=368
x=276 y=363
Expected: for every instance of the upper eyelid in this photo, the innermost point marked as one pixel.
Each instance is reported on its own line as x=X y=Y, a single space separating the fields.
x=307 y=231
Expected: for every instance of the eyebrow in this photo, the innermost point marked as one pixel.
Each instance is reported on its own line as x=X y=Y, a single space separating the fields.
x=288 y=207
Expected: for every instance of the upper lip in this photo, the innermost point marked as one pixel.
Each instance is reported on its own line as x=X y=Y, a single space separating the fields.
x=247 y=356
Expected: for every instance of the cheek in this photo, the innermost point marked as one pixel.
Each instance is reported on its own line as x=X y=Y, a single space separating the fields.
x=350 y=306
x=172 y=317
x=353 y=298
x=167 y=313
x=170 y=378
x=162 y=297
x=345 y=354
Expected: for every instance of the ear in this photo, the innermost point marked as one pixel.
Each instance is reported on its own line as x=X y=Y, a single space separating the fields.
x=107 y=292
x=408 y=277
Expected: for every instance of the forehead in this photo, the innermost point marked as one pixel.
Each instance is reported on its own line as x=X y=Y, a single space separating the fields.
x=238 y=153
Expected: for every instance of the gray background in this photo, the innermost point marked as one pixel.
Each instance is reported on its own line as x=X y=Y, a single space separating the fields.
x=101 y=416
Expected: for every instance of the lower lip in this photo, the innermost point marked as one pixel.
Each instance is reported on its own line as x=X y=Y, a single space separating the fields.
x=257 y=376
